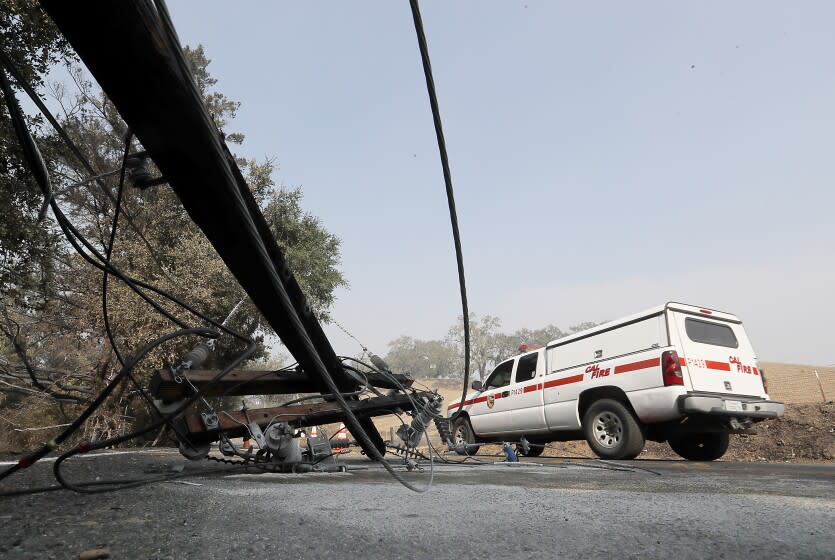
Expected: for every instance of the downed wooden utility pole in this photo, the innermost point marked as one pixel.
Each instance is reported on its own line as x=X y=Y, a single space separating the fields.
x=165 y=386
x=198 y=429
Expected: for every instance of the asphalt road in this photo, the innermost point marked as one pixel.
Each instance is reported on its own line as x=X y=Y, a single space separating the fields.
x=543 y=509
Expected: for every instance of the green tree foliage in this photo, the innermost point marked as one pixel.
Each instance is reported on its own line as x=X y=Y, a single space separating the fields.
x=31 y=41
x=33 y=265
x=423 y=358
x=533 y=338
x=487 y=344
x=219 y=106
x=313 y=252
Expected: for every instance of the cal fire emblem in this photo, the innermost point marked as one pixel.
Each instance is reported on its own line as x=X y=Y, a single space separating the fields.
x=491 y=401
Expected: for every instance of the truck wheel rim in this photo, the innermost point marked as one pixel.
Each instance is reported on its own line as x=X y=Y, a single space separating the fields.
x=459 y=435
x=608 y=429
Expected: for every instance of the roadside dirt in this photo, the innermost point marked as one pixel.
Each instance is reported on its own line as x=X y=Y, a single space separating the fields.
x=805 y=434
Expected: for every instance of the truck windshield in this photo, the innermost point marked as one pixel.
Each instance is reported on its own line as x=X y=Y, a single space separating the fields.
x=710 y=333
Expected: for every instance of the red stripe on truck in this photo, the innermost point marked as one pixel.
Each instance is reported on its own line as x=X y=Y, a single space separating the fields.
x=458 y=405
x=563 y=381
x=468 y=402
x=635 y=366
x=721 y=366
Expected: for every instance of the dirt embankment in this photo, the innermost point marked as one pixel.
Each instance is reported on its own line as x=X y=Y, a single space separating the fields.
x=806 y=434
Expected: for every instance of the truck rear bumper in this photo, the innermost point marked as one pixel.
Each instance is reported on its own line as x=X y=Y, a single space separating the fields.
x=729 y=406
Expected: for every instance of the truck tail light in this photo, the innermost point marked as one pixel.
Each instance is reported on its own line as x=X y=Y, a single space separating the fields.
x=671 y=368
x=765 y=383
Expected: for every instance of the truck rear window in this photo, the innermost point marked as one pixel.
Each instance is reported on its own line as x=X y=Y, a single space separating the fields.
x=710 y=333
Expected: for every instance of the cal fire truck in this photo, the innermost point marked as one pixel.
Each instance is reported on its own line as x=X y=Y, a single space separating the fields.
x=678 y=373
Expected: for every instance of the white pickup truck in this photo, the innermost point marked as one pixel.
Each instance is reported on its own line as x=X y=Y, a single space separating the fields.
x=677 y=373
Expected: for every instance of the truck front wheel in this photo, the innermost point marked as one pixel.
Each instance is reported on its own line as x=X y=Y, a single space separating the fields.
x=701 y=447
x=463 y=437
x=612 y=431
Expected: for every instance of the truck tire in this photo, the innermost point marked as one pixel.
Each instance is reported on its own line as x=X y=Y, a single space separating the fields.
x=612 y=431
x=701 y=447
x=463 y=437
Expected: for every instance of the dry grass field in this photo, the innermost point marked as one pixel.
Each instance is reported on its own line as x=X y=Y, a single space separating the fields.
x=798 y=384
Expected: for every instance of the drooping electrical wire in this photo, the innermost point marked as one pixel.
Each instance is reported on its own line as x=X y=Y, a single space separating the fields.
x=30 y=458
x=453 y=215
x=41 y=174
x=97 y=259
x=76 y=239
x=109 y=250
x=85 y=447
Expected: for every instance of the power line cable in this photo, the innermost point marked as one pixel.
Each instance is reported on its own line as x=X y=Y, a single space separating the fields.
x=110 y=483
x=30 y=458
x=41 y=174
x=343 y=329
x=84 y=447
x=453 y=215
x=109 y=251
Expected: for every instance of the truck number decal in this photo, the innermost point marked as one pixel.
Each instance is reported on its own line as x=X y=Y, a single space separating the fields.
x=697 y=362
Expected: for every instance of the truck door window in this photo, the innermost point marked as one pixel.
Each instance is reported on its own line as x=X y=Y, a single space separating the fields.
x=526 y=370
x=500 y=376
x=710 y=333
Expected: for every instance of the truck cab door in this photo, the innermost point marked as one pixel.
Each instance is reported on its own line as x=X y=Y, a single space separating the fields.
x=527 y=415
x=490 y=411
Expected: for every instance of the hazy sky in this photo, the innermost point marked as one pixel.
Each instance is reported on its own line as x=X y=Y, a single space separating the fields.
x=606 y=156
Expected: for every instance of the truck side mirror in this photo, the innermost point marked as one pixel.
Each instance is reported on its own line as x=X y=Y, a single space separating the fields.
x=477 y=385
